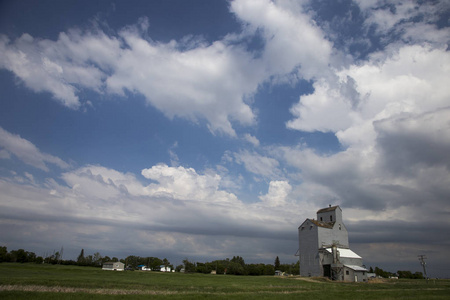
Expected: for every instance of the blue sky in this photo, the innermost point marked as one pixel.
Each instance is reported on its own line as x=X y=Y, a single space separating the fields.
x=208 y=129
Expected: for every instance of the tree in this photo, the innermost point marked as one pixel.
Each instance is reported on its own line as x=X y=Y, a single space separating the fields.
x=166 y=262
x=97 y=259
x=382 y=273
x=235 y=268
x=179 y=267
x=81 y=260
x=269 y=270
x=19 y=256
x=154 y=263
x=4 y=254
x=39 y=260
x=133 y=261
x=238 y=260
x=89 y=260
x=56 y=257
x=410 y=275
x=188 y=266
x=277 y=263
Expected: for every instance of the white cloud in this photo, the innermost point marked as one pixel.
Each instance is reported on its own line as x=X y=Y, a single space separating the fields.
x=409 y=20
x=41 y=67
x=185 y=184
x=396 y=132
x=103 y=183
x=258 y=164
x=186 y=78
x=277 y=194
x=27 y=152
x=251 y=139
x=394 y=125
x=383 y=87
x=181 y=210
x=324 y=110
x=291 y=38
x=209 y=82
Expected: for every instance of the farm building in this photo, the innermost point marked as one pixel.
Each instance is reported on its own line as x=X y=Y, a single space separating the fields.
x=324 y=249
x=113 y=266
x=163 y=268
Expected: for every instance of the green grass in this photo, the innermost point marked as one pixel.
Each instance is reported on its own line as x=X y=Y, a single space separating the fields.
x=30 y=281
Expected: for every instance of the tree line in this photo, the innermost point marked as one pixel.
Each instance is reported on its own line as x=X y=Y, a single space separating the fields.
x=400 y=274
x=233 y=266
x=237 y=266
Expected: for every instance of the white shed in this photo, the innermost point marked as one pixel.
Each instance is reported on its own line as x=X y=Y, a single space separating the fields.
x=355 y=273
x=164 y=268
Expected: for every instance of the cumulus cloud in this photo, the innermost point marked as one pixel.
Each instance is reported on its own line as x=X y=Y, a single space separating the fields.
x=44 y=65
x=185 y=184
x=292 y=40
x=390 y=113
x=278 y=191
x=209 y=82
x=186 y=78
x=251 y=139
x=185 y=210
x=260 y=165
x=406 y=19
x=382 y=87
x=27 y=152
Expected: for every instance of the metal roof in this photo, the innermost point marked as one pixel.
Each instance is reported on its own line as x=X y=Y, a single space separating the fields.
x=347 y=253
x=356 y=268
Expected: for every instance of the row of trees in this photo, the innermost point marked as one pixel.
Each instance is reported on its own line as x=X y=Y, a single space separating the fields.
x=56 y=257
x=20 y=256
x=234 y=266
x=400 y=274
x=237 y=266
x=151 y=262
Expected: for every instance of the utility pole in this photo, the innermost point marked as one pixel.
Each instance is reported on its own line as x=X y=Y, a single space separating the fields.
x=423 y=263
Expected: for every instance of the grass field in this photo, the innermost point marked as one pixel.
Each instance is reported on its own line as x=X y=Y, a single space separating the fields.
x=31 y=281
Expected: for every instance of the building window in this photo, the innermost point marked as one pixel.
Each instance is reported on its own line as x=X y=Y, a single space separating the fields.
x=321 y=219
x=347 y=272
x=331 y=218
x=310 y=227
x=339 y=226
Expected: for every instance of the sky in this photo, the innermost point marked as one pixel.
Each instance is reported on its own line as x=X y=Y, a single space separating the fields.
x=210 y=129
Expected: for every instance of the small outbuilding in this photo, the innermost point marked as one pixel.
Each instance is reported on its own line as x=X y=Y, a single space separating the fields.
x=355 y=273
x=163 y=268
x=113 y=266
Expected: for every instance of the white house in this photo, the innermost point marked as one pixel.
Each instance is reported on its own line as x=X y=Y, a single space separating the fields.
x=324 y=249
x=113 y=266
x=164 y=268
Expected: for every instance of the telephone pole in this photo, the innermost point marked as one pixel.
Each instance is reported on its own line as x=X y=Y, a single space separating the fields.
x=423 y=263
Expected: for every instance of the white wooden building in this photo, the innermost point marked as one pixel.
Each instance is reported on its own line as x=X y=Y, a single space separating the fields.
x=113 y=266
x=324 y=249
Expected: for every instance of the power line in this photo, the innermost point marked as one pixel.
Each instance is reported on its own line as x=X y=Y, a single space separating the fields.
x=423 y=263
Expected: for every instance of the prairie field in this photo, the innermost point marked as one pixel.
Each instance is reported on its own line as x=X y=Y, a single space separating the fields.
x=32 y=281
